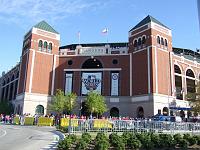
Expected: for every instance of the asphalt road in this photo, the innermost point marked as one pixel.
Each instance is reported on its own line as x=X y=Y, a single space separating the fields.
x=14 y=137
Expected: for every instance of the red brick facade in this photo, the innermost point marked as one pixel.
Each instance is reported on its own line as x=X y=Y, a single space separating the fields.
x=144 y=68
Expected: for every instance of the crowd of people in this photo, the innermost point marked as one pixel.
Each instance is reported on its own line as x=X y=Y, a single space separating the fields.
x=9 y=119
x=6 y=118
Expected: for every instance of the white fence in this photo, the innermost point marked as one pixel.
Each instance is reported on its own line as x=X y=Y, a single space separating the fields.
x=96 y=125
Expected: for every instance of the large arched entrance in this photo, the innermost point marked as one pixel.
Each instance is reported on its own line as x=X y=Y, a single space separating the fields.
x=84 y=111
x=114 y=112
x=178 y=82
x=39 y=110
x=91 y=79
x=165 y=111
x=140 y=112
x=190 y=81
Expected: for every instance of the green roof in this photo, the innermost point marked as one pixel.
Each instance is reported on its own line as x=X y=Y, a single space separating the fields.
x=147 y=20
x=45 y=26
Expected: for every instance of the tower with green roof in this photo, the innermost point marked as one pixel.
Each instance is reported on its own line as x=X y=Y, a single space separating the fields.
x=150 y=47
x=43 y=25
x=37 y=71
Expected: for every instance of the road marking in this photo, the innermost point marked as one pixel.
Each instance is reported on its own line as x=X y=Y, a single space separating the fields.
x=4 y=133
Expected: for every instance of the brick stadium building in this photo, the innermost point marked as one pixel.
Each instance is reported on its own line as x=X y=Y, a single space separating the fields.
x=142 y=77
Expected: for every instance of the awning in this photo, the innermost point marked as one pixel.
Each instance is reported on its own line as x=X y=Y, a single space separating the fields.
x=180 y=108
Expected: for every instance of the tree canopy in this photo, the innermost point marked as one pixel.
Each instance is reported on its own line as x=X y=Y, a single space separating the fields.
x=62 y=102
x=95 y=103
x=58 y=101
x=6 y=108
x=70 y=102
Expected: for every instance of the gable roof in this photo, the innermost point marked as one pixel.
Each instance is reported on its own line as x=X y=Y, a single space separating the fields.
x=45 y=26
x=147 y=20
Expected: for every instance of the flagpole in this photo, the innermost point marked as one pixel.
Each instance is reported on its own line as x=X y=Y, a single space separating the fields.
x=79 y=37
x=105 y=32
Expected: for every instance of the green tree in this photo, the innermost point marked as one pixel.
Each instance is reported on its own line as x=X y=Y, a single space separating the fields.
x=194 y=99
x=58 y=102
x=70 y=102
x=6 y=108
x=95 y=103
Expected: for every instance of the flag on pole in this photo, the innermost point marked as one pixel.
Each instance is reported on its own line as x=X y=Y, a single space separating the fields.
x=104 y=31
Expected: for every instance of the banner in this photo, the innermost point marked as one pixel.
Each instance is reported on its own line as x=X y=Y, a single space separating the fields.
x=91 y=81
x=68 y=82
x=114 y=84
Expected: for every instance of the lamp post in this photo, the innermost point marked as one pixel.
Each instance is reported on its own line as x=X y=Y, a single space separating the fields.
x=70 y=120
x=80 y=113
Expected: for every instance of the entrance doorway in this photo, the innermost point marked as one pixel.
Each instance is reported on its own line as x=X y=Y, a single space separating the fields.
x=114 y=112
x=140 y=112
x=39 y=110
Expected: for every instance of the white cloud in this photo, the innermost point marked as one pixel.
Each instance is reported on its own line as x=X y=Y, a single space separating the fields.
x=19 y=11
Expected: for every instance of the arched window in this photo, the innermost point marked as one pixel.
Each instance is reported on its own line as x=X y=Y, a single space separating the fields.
x=135 y=43
x=15 y=90
x=139 y=41
x=10 y=97
x=166 y=44
x=8 y=80
x=4 y=82
x=92 y=63
x=143 y=40
x=162 y=41
x=13 y=77
x=17 y=74
x=190 y=73
x=158 y=39
x=190 y=81
x=45 y=46
x=40 y=45
x=177 y=69
x=39 y=110
x=50 y=47
x=178 y=83
x=6 y=93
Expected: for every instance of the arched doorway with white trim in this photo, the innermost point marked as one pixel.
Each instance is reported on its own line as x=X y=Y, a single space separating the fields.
x=190 y=81
x=39 y=110
x=178 y=82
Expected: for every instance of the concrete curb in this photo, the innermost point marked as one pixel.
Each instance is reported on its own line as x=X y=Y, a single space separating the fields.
x=59 y=134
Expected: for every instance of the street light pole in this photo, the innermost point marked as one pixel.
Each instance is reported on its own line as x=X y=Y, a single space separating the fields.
x=70 y=121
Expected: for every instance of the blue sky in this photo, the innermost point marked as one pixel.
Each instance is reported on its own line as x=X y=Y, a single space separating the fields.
x=90 y=17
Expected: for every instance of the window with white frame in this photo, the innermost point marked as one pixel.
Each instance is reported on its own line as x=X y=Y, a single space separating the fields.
x=40 y=45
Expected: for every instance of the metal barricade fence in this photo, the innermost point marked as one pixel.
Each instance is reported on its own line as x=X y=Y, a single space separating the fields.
x=100 y=125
